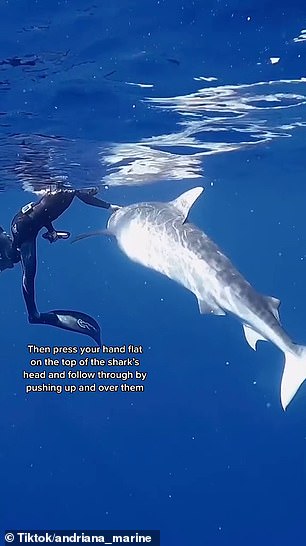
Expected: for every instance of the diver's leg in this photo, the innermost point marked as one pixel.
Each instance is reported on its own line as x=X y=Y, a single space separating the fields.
x=28 y=262
x=74 y=321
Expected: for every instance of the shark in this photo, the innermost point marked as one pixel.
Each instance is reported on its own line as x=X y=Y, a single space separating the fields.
x=158 y=235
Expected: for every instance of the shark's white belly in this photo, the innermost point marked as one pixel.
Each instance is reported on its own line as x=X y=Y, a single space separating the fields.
x=156 y=249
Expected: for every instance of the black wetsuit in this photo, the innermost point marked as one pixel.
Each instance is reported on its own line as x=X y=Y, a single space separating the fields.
x=25 y=227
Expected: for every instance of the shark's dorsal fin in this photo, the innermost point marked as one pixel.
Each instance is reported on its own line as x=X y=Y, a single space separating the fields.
x=274 y=304
x=184 y=202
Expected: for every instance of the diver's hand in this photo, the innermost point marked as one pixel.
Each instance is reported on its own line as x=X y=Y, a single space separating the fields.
x=50 y=236
x=53 y=236
x=92 y=191
x=113 y=208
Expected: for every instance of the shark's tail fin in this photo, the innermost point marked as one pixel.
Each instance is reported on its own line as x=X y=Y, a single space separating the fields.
x=294 y=374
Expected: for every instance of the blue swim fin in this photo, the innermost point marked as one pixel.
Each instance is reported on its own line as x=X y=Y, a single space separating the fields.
x=74 y=321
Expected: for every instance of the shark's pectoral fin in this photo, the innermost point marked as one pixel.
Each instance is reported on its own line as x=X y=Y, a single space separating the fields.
x=210 y=307
x=184 y=202
x=92 y=234
x=252 y=336
x=274 y=304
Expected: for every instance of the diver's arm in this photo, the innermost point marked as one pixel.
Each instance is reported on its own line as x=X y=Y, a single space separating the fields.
x=49 y=227
x=52 y=235
x=88 y=198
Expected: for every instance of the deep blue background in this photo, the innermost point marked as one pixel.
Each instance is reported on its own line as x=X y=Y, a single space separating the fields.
x=206 y=454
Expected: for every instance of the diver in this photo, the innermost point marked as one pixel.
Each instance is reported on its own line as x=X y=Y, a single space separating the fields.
x=22 y=247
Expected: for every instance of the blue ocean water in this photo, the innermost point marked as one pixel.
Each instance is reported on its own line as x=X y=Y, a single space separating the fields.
x=147 y=100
